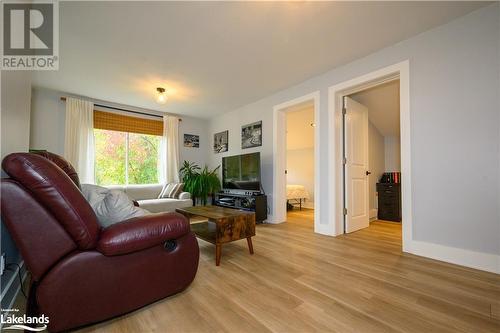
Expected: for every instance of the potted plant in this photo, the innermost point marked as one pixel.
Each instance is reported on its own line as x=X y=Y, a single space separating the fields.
x=200 y=182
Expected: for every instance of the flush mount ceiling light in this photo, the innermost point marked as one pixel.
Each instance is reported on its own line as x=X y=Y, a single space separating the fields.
x=161 y=97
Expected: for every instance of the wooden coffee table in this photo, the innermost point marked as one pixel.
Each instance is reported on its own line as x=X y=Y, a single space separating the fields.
x=224 y=225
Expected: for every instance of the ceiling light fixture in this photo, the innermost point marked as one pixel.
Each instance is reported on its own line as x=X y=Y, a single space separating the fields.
x=313 y=125
x=162 y=97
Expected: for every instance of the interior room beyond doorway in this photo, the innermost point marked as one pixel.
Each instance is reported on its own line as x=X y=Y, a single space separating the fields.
x=383 y=156
x=300 y=156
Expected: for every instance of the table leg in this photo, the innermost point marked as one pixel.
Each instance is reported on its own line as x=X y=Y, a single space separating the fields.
x=250 y=245
x=218 y=251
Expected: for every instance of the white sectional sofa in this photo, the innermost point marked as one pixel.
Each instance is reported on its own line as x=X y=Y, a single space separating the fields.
x=147 y=197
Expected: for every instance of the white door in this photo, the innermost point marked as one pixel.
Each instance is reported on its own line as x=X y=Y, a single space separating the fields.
x=356 y=165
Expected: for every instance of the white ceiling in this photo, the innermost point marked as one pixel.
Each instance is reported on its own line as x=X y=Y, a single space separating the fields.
x=382 y=102
x=216 y=56
x=299 y=132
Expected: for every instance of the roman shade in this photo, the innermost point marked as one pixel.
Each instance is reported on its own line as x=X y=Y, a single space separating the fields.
x=117 y=122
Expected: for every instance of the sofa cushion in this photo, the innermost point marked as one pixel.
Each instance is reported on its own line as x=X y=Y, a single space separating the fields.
x=141 y=192
x=164 y=205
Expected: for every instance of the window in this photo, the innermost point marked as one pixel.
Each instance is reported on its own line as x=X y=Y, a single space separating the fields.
x=123 y=158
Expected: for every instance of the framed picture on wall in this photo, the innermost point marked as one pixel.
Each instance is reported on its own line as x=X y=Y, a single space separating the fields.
x=251 y=135
x=191 y=140
x=221 y=142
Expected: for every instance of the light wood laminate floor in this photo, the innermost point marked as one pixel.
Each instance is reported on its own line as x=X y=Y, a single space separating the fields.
x=298 y=281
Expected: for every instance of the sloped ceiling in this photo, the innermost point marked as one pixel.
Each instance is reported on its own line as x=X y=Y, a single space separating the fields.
x=382 y=102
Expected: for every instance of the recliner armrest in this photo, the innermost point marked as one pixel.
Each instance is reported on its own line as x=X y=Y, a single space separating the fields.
x=140 y=233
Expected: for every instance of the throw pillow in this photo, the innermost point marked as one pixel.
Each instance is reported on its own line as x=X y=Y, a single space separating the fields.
x=177 y=191
x=110 y=206
x=171 y=194
x=172 y=190
x=166 y=190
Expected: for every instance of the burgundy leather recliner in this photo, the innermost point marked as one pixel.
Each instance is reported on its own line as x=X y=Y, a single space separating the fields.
x=82 y=273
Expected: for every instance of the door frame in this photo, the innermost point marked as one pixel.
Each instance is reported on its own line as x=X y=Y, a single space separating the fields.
x=279 y=157
x=399 y=71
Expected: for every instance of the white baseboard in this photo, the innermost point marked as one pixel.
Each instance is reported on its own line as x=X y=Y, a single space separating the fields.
x=468 y=258
x=373 y=213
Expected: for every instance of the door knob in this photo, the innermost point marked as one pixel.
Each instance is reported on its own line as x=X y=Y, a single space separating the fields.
x=368 y=173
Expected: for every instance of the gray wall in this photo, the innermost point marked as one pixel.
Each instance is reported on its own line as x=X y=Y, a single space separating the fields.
x=15 y=132
x=198 y=127
x=47 y=121
x=15 y=126
x=15 y=116
x=376 y=165
x=454 y=92
x=48 y=118
x=392 y=153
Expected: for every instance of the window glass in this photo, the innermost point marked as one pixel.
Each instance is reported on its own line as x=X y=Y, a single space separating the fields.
x=143 y=158
x=110 y=155
x=125 y=158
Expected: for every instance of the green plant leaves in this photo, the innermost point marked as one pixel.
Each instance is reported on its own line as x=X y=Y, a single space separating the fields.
x=200 y=182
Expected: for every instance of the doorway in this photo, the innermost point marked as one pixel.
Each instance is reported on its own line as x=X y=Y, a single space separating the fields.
x=372 y=165
x=336 y=93
x=300 y=159
x=304 y=104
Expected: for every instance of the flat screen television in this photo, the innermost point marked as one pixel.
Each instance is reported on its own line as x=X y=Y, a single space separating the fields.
x=241 y=172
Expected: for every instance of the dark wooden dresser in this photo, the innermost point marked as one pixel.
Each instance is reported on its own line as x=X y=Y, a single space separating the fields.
x=389 y=201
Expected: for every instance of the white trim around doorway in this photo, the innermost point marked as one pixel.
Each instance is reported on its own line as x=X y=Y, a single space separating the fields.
x=335 y=93
x=279 y=157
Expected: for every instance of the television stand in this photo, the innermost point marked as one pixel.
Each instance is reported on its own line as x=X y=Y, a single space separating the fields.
x=256 y=203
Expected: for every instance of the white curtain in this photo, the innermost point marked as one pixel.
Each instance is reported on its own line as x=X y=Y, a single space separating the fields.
x=79 y=138
x=169 y=151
